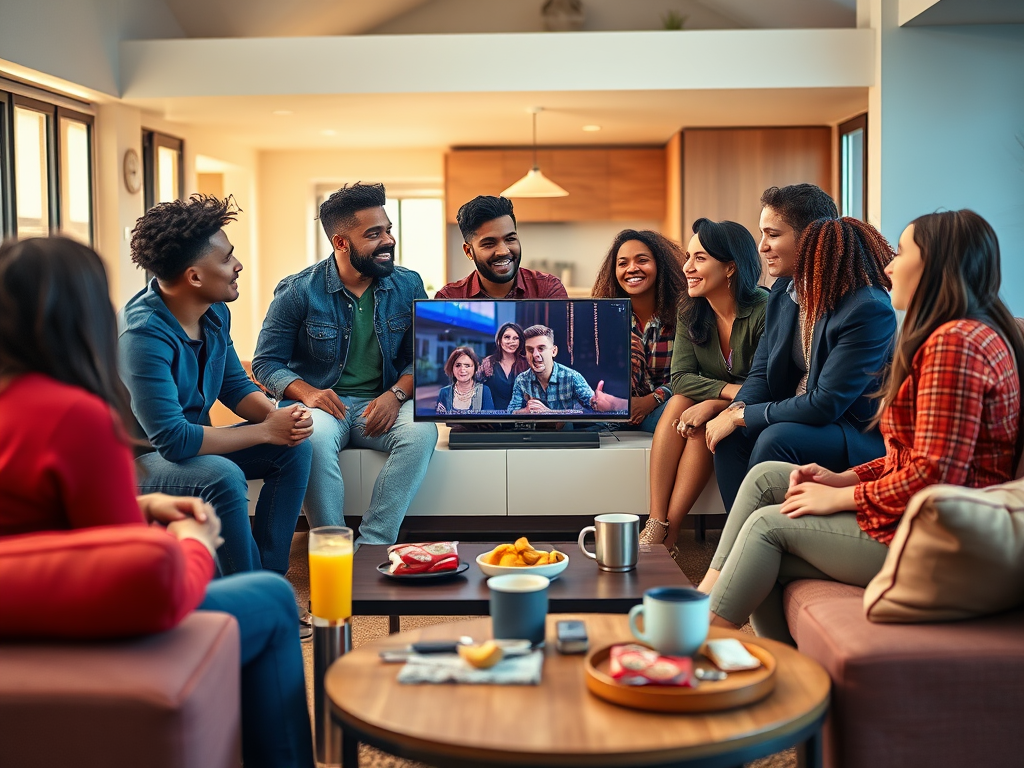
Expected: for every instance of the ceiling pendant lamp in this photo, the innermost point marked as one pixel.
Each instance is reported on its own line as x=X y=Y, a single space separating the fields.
x=535 y=183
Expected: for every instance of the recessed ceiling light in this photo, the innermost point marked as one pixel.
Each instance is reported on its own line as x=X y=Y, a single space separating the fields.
x=329 y=132
x=283 y=112
x=591 y=128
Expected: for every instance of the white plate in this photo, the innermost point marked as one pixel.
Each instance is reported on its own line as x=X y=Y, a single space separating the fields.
x=550 y=570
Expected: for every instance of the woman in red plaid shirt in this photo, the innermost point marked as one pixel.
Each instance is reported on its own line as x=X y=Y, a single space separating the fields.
x=951 y=413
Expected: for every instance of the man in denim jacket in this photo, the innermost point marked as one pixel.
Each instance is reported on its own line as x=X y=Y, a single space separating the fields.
x=338 y=338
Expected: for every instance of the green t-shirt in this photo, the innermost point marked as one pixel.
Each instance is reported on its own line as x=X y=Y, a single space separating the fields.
x=364 y=370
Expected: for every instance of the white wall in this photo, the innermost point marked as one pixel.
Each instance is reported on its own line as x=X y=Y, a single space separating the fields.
x=952 y=119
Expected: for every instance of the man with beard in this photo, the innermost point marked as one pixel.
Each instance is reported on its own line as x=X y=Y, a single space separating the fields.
x=338 y=338
x=488 y=227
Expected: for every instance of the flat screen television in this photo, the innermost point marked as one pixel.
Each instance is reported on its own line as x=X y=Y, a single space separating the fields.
x=570 y=364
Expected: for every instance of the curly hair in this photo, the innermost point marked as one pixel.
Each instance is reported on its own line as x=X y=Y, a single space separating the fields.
x=669 y=283
x=479 y=211
x=800 y=204
x=339 y=210
x=834 y=258
x=724 y=241
x=173 y=236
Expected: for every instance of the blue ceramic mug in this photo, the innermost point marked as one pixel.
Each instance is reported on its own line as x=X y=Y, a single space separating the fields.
x=676 y=620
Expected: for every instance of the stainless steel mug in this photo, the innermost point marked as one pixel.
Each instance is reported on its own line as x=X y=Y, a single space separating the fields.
x=616 y=542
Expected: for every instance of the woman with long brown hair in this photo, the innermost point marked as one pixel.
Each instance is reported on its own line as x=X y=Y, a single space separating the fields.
x=950 y=413
x=499 y=369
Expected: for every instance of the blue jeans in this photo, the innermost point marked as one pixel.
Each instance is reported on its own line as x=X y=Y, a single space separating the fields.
x=647 y=425
x=409 y=446
x=275 y=720
x=220 y=481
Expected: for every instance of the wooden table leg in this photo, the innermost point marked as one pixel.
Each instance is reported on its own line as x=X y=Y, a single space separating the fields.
x=394 y=624
x=809 y=754
x=349 y=749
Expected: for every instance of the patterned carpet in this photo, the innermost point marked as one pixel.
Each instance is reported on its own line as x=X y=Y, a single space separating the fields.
x=693 y=559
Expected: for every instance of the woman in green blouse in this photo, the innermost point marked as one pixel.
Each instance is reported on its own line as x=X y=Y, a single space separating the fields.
x=721 y=319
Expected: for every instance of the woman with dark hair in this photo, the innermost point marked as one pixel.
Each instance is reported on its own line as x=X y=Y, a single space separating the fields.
x=721 y=319
x=950 y=413
x=464 y=393
x=67 y=463
x=500 y=368
x=646 y=268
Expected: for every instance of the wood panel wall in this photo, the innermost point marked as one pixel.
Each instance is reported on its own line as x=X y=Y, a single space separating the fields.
x=604 y=184
x=725 y=170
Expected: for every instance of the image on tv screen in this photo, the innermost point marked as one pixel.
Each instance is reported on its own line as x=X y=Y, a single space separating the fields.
x=524 y=360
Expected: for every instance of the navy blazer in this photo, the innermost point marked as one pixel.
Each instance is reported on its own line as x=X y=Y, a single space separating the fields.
x=850 y=348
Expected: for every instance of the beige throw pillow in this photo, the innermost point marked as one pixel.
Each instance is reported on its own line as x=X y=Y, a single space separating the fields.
x=957 y=553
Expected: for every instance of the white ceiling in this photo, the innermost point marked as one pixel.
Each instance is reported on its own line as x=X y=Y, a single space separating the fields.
x=499 y=119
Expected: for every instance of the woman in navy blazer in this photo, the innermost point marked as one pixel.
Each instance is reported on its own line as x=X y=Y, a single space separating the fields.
x=828 y=336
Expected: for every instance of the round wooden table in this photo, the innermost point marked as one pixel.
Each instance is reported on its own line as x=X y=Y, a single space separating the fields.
x=560 y=723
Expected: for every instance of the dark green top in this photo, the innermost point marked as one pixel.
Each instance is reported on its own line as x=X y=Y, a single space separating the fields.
x=700 y=372
x=363 y=373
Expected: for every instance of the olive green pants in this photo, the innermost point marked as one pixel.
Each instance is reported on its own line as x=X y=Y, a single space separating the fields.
x=762 y=550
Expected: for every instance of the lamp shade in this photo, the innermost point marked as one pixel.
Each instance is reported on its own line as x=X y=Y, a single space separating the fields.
x=534 y=184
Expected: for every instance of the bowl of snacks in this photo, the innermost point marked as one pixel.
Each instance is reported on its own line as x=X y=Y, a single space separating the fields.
x=521 y=557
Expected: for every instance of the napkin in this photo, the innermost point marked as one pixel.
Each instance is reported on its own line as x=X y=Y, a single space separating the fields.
x=450 y=668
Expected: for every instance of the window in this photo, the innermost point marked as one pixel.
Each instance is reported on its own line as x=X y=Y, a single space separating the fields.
x=46 y=166
x=162 y=167
x=417 y=222
x=853 y=167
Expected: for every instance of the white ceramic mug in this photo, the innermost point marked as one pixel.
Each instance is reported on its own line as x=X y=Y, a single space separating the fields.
x=676 y=620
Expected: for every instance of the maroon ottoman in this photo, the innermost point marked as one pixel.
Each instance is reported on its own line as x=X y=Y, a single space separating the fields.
x=165 y=701
x=932 y=695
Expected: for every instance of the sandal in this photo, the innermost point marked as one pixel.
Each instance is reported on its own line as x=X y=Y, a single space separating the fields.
x=654 y=532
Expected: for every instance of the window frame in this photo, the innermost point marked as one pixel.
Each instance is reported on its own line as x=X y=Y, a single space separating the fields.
x=151 y=142
x=860 y=122
x=52 y=173
x=90 y=123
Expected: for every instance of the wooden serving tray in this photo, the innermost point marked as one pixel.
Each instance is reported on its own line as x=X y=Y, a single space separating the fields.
x=738 y=689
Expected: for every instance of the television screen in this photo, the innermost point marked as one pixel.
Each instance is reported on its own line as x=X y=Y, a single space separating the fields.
x=524 y=360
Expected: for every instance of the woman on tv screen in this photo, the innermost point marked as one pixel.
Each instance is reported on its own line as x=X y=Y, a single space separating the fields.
x=721 y=319
x=499 y=369
x=646 y=268
x=464 y=393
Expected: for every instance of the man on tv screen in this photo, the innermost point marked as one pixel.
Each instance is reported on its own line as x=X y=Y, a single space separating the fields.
x=488 y=227
x=551 y=387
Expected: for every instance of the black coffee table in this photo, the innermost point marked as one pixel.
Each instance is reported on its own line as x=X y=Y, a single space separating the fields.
x=580 y=588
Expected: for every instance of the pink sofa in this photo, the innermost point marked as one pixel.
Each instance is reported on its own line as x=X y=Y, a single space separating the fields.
x=906 y=695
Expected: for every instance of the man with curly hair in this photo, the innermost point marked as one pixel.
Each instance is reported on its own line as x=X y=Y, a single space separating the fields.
x=177 y=358
x=338 y=338
x=829 y=330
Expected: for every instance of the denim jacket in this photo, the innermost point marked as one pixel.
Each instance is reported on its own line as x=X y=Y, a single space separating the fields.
x=308 y=326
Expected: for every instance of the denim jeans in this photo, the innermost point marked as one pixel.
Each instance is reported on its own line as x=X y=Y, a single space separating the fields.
x=409 y=446
x=220 y=481
x=275 y=718
x=648 y=424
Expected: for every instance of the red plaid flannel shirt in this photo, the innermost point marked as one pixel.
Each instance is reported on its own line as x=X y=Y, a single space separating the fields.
x=954 y=420
x=651 y=358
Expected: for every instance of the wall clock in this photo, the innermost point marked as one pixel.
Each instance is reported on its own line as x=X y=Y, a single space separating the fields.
x=132 y=171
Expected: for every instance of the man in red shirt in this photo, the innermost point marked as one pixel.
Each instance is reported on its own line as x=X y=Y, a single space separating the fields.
x=488 y=227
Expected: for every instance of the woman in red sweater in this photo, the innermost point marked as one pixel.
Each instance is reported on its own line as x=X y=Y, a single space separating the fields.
x=951 y=413
x=66 y=462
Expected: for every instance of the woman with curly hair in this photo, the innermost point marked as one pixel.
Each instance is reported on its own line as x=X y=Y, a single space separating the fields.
x=646 y=268
x=951 y=413
x=499 y=369
x=721 y=319
x=464 y=393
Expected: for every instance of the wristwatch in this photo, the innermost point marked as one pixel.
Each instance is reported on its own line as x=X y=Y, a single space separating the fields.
x=658 y=397
x=736 y=407
x=398 y=392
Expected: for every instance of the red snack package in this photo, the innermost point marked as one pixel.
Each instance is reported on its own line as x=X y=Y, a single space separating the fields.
x=639 y=665
x=424 y=557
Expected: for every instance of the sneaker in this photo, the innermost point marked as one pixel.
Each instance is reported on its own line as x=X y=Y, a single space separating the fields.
x=305 y=626
x=654 y=532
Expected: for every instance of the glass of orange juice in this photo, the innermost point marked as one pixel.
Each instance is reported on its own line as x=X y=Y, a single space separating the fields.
x=330 y=573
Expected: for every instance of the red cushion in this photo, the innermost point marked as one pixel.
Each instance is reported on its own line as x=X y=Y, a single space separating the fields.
x=91 y=583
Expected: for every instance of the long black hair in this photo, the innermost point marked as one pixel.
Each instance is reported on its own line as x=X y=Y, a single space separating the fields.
x=669 y=283
x=57 y=318
x=724 y=241
x=520 y=364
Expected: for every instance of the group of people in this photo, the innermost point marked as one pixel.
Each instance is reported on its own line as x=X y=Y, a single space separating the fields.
x=778 y=392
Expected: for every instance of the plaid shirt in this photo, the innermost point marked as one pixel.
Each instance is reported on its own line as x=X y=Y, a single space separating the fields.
x=567 y=390
x=651 y=357
x=529 y=284
x=954 y=420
